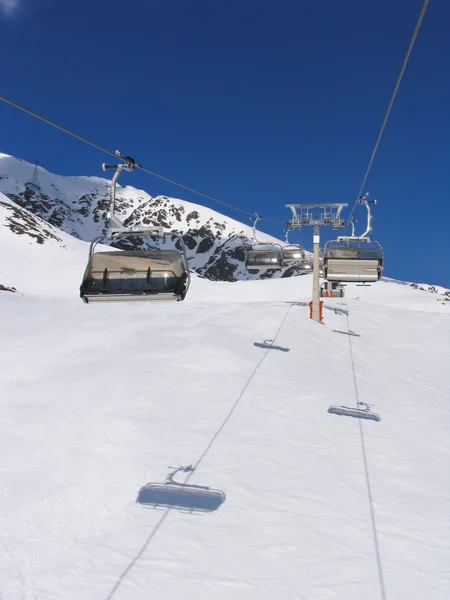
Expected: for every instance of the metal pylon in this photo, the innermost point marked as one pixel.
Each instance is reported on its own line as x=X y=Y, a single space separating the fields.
x=315 y=216
x=34 y=181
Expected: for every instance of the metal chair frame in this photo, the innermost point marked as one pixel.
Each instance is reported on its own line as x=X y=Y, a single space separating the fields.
x=119 y=231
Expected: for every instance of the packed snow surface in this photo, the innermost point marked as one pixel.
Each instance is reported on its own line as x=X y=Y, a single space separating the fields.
x=99 y=400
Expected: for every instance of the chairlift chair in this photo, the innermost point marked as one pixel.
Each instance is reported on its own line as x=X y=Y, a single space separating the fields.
x=120 y=275
x=348 y=261
x=134 y=275
x=354 y=258
x=263 y=255
x=292 y=253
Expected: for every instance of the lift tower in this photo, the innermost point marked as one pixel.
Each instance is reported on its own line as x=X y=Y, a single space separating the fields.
x=315 y=216
x=33 y=184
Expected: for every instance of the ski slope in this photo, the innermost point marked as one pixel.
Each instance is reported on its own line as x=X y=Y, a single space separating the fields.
x=98 y=400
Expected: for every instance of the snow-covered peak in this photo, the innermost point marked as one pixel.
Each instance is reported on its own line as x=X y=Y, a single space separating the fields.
x=78 y=205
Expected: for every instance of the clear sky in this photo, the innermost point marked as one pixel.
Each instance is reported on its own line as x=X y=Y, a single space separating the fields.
x=259 y=103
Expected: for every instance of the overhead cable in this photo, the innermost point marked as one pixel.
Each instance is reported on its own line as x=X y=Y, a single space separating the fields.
x=391 y=102
x=111 y=153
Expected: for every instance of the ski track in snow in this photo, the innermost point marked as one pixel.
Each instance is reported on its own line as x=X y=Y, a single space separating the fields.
x=96 y=401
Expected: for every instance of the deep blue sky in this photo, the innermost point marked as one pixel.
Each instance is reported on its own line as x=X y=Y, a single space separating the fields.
x=257 y=103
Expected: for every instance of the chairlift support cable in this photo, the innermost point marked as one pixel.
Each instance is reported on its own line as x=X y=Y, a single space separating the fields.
x=207 y=196
x=114 y=154
x=391 y=102
x=376 y=541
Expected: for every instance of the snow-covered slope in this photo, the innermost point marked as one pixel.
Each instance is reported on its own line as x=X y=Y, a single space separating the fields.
x=96 y=401
x=78 y=205
x=37 y=258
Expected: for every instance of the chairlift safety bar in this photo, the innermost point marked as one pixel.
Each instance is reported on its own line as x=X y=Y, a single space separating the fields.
x=128 y=165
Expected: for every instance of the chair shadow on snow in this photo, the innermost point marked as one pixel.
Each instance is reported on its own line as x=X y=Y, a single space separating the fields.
x=269 y=345
x=181 y=496
x=352 y=333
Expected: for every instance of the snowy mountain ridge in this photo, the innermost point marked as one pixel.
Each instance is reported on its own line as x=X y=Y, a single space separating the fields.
x=216 y=245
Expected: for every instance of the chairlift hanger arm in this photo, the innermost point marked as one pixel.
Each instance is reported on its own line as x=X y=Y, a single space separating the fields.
x=129 y=164
x=112 y=194
x=256 y=218
x=291 y=226
x=364 y=200
x=365 y=237
x=352 y=223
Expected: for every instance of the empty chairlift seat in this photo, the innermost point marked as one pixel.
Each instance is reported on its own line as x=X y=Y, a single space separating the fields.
x=264 y=257
x=293 y=253
x=135 y=275
x=350 y=262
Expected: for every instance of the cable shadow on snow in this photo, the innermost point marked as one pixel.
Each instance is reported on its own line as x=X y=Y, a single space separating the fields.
x=352 y=333
x=367 y=474
x=269 y=345
x=190 y=470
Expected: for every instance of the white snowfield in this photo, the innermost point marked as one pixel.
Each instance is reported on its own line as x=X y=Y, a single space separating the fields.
x=98 y=400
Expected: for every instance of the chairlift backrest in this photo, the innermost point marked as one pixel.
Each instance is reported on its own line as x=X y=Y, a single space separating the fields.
x=353 y=260
x=130 y=263
x=293 y=253
x=264 y=256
